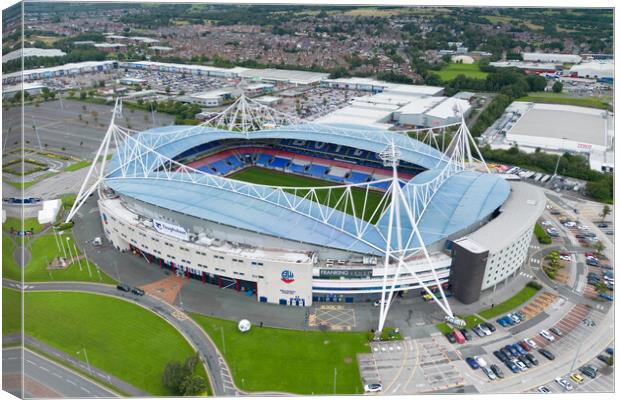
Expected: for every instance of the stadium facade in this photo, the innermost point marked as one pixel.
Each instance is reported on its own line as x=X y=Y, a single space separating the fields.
x=171 y=195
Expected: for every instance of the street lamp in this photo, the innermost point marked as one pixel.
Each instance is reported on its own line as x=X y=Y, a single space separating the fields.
x=90 y=371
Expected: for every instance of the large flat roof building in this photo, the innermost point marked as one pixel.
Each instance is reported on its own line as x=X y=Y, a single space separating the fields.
x=552 y=58
x=32 y=52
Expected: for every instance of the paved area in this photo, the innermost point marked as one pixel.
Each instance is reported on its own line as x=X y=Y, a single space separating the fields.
x=333 y=317
x=45 y=378
x=166 y=289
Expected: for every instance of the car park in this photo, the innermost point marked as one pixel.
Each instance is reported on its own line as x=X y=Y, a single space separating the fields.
x=564 y=384
x=610 y=351
x=373 y=387
x=478 y=331
x=544 y=389
x=497 y=371
x=489 y=373
x=576 y=378
x=506 y=353
x=531 y=343
x=512 y=350
x=544 y=333
x=450 y=337
x=547 y=354
x=472 y=363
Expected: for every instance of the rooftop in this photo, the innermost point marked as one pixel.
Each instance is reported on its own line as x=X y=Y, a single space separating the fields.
x=579 y=124
x=32 y=52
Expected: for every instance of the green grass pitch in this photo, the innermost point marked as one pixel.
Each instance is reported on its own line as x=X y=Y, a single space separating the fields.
x=269 y=177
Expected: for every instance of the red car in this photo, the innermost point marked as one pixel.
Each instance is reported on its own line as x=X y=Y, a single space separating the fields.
x=525 y=346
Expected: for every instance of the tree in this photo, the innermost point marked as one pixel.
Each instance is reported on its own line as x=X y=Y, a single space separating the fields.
x=599 y=247
x=192 y=385
x=557 y=87
x=605 y=211
x=601 y=288
x=173 y=376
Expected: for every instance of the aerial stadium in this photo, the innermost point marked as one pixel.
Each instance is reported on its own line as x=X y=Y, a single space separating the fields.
x=294 y=213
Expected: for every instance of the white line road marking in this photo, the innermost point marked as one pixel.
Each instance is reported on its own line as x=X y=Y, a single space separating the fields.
x=396 y=388
x=44 y=369
x=56 y=375
x=31 y=362
x=71 y=382
x=84 y=389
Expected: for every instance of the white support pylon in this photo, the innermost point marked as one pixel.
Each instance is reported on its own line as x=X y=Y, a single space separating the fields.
x=100 y=157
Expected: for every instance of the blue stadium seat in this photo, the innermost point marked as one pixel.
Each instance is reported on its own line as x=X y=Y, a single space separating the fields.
x=280 y=162
x=318 y=170
x=263 y=160
x=381 y=185
x=221 y=167
x=334 y=178
x=298 y=169
x=357 y=177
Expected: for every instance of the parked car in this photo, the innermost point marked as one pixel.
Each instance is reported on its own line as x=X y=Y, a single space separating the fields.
x=512 y=366
x=123 y=288
x=506 y=353
x=465 y=334
x=576 y=378
x=566 y=385
x=606 y=296
x=490 y=326
x=556 y=331
x=520 y=364
x=499 y=355
x=472 y=363
x=603 y=225
x=604 y=358
x=480 y=361
x=544 y=389
x=497 y=371
x=610 y=351
x=544 y=333
x=478 y=331
x=513 y=351
x=525 y=361
x=532 y=359
x=588 y=371
x=531 y=343
x=489 y=373
x=450 y=337
x=525 y=346
x=547 y=354
x=484 y=329
x=373 y=387
x=520 y=349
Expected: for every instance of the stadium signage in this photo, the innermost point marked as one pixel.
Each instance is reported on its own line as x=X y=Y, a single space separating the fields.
x=344 y=273
x=170 y=230
x=287 y=276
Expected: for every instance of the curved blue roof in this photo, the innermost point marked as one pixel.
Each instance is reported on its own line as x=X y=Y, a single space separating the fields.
x=462 y=201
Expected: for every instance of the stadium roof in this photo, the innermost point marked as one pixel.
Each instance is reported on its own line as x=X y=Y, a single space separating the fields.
x=463 y=199
x=284 y=75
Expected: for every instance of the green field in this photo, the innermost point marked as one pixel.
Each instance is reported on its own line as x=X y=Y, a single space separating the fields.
x=11 y=311
x=121 y=338
x=515 y=301
x=300 y=362
x=453 y=70
x=8 y=248
x=16 y=223
x=470 y=322
x=77 y=165
x=269 y=177
x=559 y=98
x=42 y=250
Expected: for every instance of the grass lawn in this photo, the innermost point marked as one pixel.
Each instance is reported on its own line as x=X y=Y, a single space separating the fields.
x=265 y=176
x=16 y=223
x=42 y=250
x=300 y=362
x=68 y=200
x=11 y=311
x=453 y=70
x=121 y=338
x=9 y=266
x=559 y=98
x=515 y=301
x=77 y=165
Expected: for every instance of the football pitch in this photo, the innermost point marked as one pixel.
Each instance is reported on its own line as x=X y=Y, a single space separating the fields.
x=263 y=176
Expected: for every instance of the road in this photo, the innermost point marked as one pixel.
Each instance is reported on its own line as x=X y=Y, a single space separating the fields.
x=44 y=377
x=219 y=373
